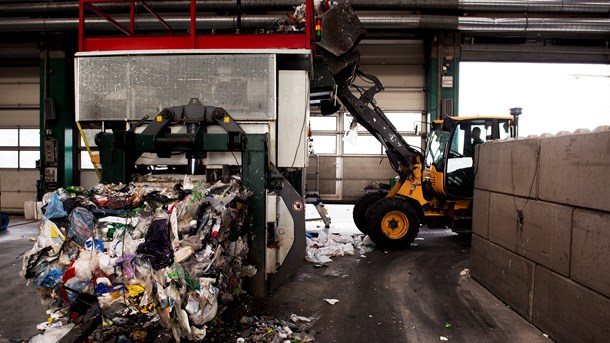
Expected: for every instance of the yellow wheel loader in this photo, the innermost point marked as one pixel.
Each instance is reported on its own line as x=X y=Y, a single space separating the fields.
x=434 y=188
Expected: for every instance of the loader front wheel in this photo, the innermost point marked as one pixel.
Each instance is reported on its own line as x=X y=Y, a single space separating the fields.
x=361 y=209
x=393 y=223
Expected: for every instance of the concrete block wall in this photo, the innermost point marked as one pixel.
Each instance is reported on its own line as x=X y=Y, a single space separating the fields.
x=541 y=230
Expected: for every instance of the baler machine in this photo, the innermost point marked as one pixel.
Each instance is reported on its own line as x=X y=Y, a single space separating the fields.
x=194 y=113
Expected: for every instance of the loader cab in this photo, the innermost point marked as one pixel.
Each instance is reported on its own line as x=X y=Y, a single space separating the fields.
x=451 y=151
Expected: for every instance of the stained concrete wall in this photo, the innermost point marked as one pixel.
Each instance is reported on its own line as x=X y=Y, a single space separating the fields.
x=541 y=231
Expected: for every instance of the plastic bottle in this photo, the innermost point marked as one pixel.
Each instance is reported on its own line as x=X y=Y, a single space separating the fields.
x=215 y=229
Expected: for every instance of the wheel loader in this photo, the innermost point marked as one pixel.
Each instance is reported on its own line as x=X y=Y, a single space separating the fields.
x=434 y=188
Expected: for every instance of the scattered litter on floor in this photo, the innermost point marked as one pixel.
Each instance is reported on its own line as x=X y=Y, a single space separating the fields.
x=332 y=272
x=320 y=249
x=153 y=256
x=443 y=338
x=465 y=272
x=53 y=333
x=266 y=329
x=331 y=301
x=366 y=246
x=296 y=318
x=448 y=325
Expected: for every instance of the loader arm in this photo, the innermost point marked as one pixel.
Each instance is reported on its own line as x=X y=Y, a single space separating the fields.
x=365 y=112
x=337 y=57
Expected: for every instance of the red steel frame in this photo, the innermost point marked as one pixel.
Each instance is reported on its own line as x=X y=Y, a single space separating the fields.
x=131 y=41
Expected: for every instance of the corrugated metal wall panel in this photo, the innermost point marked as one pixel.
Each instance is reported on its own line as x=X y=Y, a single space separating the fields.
x=401 y=101
x=24 y=118
x=19 y=87
x=364 y=171
x=18 y=186
x=392 y=76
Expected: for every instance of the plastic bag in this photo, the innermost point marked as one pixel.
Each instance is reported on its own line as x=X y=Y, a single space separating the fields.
x=52 y=334
x=82 y=225
x=157 y=246
x=55 y=208
x=50 y=277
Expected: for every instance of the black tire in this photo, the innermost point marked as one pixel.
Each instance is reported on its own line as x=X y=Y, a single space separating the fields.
x=361 y=208
x=393 y=223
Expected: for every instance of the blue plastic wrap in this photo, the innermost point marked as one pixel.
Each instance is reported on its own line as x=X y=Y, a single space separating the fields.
x=55 y=208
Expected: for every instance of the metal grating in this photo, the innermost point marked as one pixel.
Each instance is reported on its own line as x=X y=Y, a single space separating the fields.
x=128 y=87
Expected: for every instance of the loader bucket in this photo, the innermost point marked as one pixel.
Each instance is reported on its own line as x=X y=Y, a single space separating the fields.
x=341 y=29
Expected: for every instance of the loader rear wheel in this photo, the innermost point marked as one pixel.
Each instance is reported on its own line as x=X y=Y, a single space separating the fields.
x=393 y=223
x=361 y=209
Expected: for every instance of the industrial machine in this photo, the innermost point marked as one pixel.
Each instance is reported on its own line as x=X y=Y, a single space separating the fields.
x=190 y=102
x=434 y=188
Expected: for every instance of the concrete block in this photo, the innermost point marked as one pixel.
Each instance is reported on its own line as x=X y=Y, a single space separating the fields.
x=509 y=167
x=575 y=169
x=567 y=311
x=525 y=157
x=546 y=235
x=480 y=213
x=493 y=172
x=507 y=275
x=504 y=219
x=590 y=250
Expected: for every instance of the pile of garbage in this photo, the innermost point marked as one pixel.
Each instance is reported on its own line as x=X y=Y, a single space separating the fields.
x=167 y=255
x=296 y=21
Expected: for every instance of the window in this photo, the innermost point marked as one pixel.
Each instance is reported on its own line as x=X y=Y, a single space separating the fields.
x=324 y=144
x=19 y=148
x=328 y=134
x=365 y=145
x=323 y=123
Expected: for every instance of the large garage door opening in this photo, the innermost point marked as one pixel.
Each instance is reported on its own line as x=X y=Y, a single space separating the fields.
x=554 y=97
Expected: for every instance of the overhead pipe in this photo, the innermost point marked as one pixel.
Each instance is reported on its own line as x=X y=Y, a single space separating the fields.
x=71 y=7
x=270 y=22
x=519 y=6
x=484 y=24
x=30 y=8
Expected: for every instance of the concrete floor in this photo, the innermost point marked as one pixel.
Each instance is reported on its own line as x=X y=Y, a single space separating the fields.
x=401 y=296
x=19 y=304
x=393 y=296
